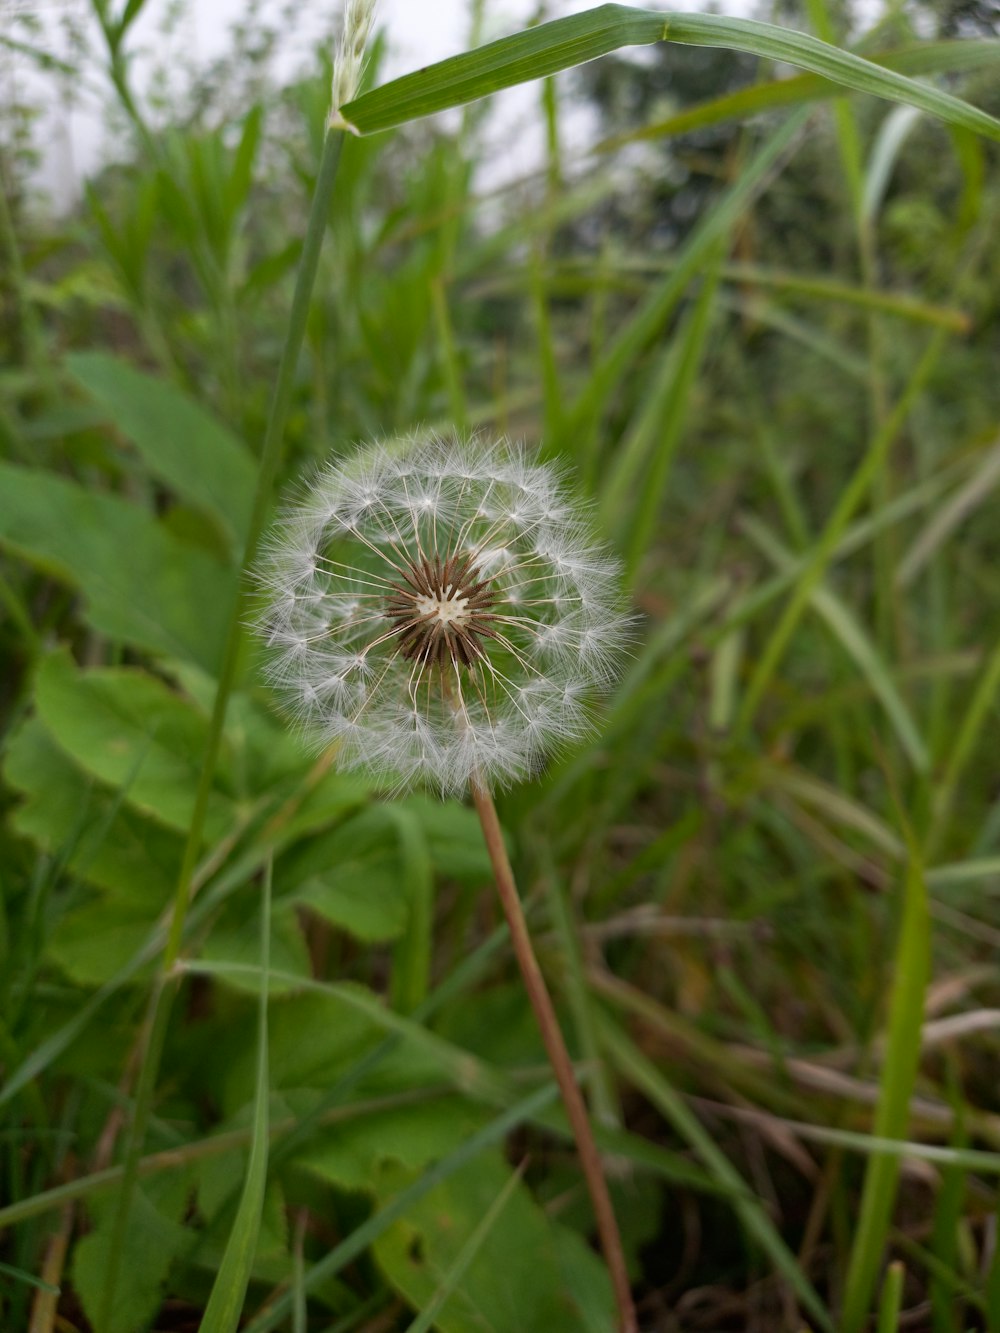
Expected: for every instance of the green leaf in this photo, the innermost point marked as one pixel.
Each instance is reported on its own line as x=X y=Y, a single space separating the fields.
x=184 y=447
x=519 y=1281
x=351 y=1156
x=234 y=938
x=129 y=730
x=353 y=877
x=104 y=841
x=143 y=586
x=454 y=838
x=564 y=43
x=427 y=1317
x=153 y=1239
x=93 y=943
x=403 y=1203
x=225 y=1304
x=744 y=103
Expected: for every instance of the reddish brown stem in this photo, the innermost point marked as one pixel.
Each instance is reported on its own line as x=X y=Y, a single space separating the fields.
x=562 y=1066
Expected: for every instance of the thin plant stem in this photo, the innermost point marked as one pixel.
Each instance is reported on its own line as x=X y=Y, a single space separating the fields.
x=164 y=991
x=562 y=1066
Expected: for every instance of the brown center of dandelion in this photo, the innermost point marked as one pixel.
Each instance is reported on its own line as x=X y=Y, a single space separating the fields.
x=442 y=610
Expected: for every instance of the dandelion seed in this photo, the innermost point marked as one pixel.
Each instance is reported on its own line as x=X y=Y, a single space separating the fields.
x=441 y=610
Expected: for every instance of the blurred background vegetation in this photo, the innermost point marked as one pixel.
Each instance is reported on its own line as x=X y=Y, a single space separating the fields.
x=763 y=325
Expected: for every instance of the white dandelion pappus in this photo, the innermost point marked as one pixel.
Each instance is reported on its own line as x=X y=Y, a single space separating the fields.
x=440 y=610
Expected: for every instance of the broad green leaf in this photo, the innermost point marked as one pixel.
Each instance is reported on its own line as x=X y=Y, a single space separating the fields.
x=130 y=730
x=402 y=1204
x=180 y=443
x=235 y=938
x=353 y=877
x=564 y=43
x=92 y=943
x=153 y=1239
x=352 y=1155
x=104 y=840
x=143 y=586
x=427 y=1318
x=314 y=1038
x=454 y=837
x=522 y=1279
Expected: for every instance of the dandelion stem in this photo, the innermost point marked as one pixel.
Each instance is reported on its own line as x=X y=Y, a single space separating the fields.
x=562 y=1066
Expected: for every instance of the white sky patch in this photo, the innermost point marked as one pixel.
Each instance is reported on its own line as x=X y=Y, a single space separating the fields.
x=74 y=135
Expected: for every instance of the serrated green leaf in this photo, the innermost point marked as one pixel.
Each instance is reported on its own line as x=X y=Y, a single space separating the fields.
x=129 y=730
x=234 y=938
x=523 y=1279
x=352 y=877
x=90 y=944
x=143 y=586
x=153 y=1239
x=352 y=1155
x=180 y=443
x=105 y=841
x=454 y=838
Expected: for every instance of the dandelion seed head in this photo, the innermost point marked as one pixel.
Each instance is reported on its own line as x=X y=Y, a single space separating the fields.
x=440 y=610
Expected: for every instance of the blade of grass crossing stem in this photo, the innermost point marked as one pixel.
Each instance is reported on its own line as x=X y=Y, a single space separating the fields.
x=970 y=731
x=604 y=1103
x=816 y=563
x=692 y=338
x=899 y=1072
x=225 y=1304
x=564 y=43
x=847 y=629
x=921 y=58
x=892 y=1298
x=425 y=1320
x=691 y=259
x=644 y=1075
x=280 y=403
x=653 y=423
x=359 y=1240
x=411 y=960
x=848 y=139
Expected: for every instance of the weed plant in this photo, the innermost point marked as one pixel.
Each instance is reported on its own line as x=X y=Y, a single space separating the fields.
x=264 y=1057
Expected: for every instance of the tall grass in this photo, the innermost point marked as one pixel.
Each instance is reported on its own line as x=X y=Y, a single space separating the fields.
x=763 y=890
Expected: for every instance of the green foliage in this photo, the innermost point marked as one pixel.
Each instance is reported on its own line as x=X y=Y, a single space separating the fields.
x=766 y=343
x=563 y=1287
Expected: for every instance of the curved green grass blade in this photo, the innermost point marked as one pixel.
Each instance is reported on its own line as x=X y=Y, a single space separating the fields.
x=902 y=1056
x=925 y=58
x=225 y=1304
x=29 y=1279
x=643 y=1074
x=848 y=630
x=567 y=42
